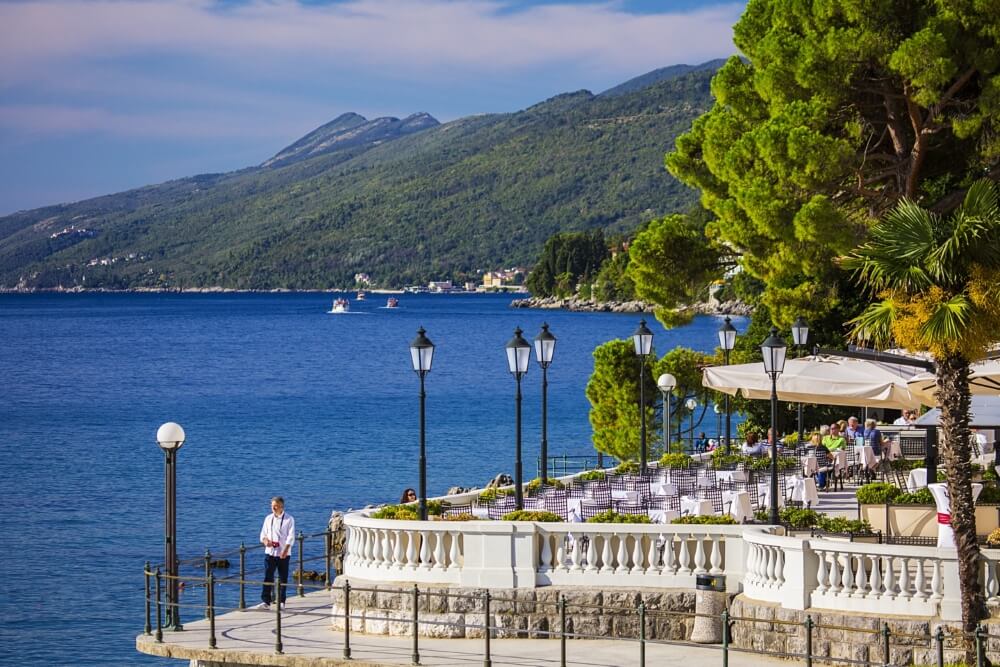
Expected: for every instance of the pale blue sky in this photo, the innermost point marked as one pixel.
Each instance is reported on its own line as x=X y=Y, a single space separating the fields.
x=97 y=96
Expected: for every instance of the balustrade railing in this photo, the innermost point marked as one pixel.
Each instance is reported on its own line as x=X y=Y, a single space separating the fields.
x=420 y=551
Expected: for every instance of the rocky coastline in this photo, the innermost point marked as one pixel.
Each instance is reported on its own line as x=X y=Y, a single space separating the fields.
x=589 y=306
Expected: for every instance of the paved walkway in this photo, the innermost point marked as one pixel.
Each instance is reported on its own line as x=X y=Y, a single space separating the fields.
x=247 y=638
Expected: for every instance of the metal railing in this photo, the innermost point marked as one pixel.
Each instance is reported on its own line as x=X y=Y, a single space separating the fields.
x=881 y=639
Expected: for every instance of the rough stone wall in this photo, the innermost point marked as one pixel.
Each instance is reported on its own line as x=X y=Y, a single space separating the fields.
x=521 y=613
x=847 y=635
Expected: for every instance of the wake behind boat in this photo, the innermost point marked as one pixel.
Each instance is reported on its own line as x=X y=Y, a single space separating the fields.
x=340 y=306
x=392 y=302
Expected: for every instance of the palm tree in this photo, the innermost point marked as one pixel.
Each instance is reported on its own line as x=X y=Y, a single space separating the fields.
x=936 y=278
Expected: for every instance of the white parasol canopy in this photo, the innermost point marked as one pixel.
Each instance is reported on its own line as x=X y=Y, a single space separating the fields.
x=820 y=379
x=984 y=380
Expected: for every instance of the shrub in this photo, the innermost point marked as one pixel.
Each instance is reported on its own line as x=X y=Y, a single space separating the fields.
x=876 y=493
x=396 y=512
x=535 y=485
x=532 y=515
x=763 y=463
x=675 y=461
x=989 y=495
x=490 y=495
x=794 y=517
x=990 y=474
x=435 y=507
x=611 y=516
x=593 y=476
x=627 y=467
x=918 y=497
x=841 y=524
x=711 y=519
x=993 y=539
x=458 y=517
x=906 y=465
x=722 y=460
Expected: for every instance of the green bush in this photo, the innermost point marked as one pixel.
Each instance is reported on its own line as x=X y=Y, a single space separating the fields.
x=593 y=476
x=490 y=495
x=458 y=517
x=990 y=475
x=990 y=495
x=535 y=485
x=611 y=516
x=532 y=515
x=627 y=468
x=396 y=512
x=876 y=493
x=795 y=517
x=905 y=465
x=918 y=497
x=841 y=524
x=710 y=519
x=675 y=461
x=763 y=463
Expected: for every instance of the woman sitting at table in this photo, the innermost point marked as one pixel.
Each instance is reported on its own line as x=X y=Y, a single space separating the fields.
x=822 y=459
x=834 y=441
x=753 y=448
x=873 y=436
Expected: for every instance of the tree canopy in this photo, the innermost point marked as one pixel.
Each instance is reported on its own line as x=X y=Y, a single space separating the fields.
x=613 y=392
x=839 y=110
x=566 y=259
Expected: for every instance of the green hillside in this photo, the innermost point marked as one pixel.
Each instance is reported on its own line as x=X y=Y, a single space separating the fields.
x=442 y=201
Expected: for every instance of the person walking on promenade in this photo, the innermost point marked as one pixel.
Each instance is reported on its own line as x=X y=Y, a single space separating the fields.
x=277 y=535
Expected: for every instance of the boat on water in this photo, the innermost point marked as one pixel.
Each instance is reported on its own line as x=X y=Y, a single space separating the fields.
x=341 y=305
x=392 y=302
x=361 y=295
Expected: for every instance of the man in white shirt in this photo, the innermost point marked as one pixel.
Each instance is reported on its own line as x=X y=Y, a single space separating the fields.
x=903 y=419
x=277 y=535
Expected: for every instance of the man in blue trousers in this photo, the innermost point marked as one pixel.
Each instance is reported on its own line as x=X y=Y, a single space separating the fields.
x=277 y=535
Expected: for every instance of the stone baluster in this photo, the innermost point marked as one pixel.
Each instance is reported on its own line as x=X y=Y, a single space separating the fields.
x=860 y=581
x=669 y=561
x=546 y=553
x=386 y=540
x=592 y=553
x=847 y=577
x=904 y=579
x=577 y=557
x=699 y=555
x=411 y=548
x=875 y=578
x=683 y=556
x=822 y=585
x=606 y=563
x=834 y=573
x=716 y=558
x=771 y=554
x=397 y=549
x=439 y=561
x=561 y=553
x=652 y=555
x=937 y=590
x=890 y=577
x=453 y=550
x=637 y=565
x=920 y=590
x=991 y=586
x=621 y=557
x=779 y=570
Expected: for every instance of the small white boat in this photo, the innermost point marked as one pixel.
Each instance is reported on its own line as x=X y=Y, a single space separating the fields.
x=361 y=295
x=392 y=302
x=341 y=305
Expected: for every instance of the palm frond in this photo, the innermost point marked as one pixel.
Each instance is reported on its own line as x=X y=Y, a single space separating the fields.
x=896 y=256
x=949 y=321
x=875 y=323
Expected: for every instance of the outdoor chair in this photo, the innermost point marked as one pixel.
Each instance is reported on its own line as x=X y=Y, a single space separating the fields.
x=455 y=510
x=590 y=508
x=713 y=493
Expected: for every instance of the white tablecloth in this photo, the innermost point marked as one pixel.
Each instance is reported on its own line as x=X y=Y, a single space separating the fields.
x=738 y=503
x=892 y=450
x=839 y=461
x=917 y=479
x=663 y=516
x=480 y=512
x=731 y=475
x=628 y=496
x=866 y=456
x=809 y=465
x=706 y=479
x=803 y=490
x=695 y=506
x=667 y=489
x=763 y=495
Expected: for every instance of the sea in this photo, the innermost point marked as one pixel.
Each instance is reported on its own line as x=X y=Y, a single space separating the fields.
x=277 y=396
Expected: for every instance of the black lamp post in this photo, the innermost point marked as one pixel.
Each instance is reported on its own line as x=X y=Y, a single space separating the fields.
x=518 y=355
x=545 y=347
x=643 y=340
x=800 y=336
x=666 y=384
x=774 y=349
x=422 y=355
x=170 y=438
x=727 y=339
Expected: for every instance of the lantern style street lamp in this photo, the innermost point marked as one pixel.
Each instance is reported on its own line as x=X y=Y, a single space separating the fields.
x=800 y=336
x=643 y=340
x=727 y=340
x=170 y=438
x=421 y=356
x=718 y=419
x=518 y=356
x=545 y=348
x=666 y=384
x=773 y=349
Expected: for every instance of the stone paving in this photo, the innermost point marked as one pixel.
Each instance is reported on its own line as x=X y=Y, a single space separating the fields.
x=248 y=638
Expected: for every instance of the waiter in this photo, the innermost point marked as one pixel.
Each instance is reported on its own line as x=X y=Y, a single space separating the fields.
x=277 y=535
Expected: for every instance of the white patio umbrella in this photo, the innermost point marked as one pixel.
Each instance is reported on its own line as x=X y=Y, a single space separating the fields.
x=984 y=380
x=820 y=379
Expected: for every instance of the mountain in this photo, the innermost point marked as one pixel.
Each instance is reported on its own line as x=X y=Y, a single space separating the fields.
x=403 y=200
x=662 y=74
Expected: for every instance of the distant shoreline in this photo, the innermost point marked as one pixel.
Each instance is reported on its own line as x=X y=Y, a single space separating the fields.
x=589 y=306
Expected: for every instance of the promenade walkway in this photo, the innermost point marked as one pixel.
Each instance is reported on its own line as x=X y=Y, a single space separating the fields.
x=247 y=638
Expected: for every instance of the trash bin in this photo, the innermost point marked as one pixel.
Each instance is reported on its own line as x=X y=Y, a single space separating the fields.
x=709 y=603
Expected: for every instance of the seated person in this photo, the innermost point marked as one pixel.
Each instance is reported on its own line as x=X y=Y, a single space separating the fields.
x=701 y=444
x=408 y=496
x=903 y=419
x=853 y=430
x=822 y=459
x=834 y=441
x=873 y=436
x=752 y=447
x=770 y=439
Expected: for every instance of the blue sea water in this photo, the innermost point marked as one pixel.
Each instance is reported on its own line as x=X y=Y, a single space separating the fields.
x=276 y=397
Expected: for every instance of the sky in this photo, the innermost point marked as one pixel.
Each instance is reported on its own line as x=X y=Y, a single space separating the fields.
x=98 y=96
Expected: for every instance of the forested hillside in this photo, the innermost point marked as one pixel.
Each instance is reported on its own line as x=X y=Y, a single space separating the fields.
x=413 y=201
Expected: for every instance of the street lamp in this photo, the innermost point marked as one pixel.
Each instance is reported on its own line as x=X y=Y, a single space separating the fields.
x=518 y=356
x=666 y=384
x=773 y=349
x=422 y=355
x=545 y=347
x=691 y=405
x=170 y=438
x=643 y=340
x=727 y=340
x=718 y=418
x=800 y=336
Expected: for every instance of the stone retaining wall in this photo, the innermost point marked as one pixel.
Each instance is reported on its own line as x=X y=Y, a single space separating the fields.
x=837 y=640
x=519 y=613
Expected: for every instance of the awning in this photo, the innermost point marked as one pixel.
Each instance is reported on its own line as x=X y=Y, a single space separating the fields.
x=820 y=379
x=984 y=412
x=984 y=380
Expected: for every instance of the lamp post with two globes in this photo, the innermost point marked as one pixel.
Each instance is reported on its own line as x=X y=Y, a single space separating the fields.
x=170 y=438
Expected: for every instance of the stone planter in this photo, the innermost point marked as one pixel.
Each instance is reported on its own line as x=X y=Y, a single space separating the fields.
x=921 y=520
